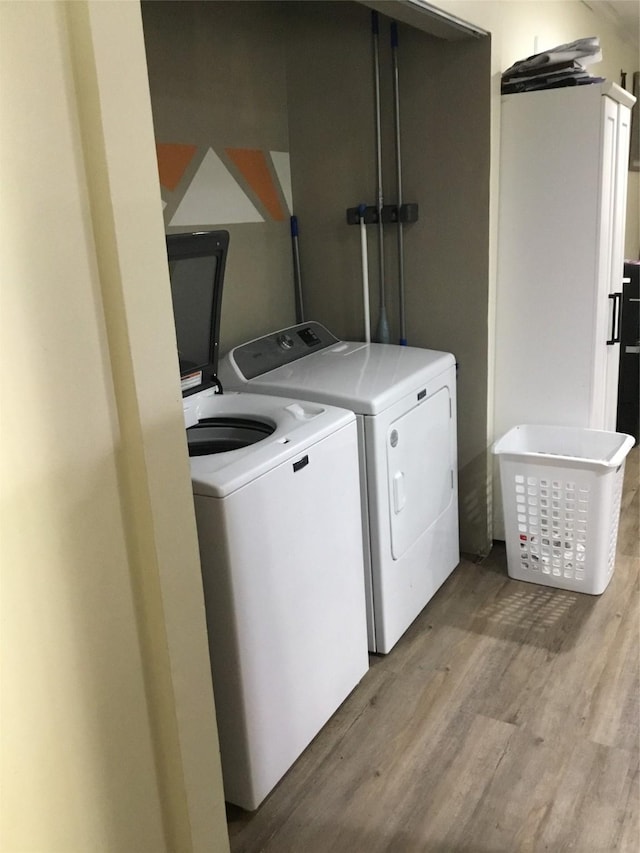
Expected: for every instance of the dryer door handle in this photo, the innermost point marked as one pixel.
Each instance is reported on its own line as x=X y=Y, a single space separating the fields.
x=399 y=495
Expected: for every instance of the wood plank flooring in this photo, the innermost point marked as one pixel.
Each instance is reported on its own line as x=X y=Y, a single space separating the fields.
x=506 y=720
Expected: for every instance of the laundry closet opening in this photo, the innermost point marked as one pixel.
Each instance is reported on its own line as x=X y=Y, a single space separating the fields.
x=266 y=109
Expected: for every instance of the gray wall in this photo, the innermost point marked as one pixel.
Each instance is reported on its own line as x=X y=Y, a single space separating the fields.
x=298 y=77
x=445 y=102
x=447 y=109
x=217 y=79
x=331 y=123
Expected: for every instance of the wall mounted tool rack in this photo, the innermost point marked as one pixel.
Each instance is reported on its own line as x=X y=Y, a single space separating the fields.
x=407 y=213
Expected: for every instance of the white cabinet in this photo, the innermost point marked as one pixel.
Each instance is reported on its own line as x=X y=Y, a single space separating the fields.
x=563 y=183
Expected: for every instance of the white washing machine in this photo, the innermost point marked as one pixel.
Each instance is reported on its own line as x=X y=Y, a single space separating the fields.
x=285 y=602
x=405 y=402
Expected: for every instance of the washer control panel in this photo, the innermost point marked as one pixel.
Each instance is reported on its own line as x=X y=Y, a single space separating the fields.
x=279 y=348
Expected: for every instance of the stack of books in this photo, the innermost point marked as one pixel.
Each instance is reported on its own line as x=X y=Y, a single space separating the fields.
x=561 y=66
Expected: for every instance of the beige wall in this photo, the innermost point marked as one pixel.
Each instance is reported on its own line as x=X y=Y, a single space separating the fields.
x=108 y=727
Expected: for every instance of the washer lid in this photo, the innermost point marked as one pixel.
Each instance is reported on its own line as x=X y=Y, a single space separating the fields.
x=366 y=378
x=196 y=269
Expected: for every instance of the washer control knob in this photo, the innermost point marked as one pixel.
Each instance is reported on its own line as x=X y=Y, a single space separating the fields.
x=285 y=342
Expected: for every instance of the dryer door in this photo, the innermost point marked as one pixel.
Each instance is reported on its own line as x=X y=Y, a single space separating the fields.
x=419 y=469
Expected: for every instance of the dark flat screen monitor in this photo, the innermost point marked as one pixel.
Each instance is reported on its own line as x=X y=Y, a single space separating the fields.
x=196 y=270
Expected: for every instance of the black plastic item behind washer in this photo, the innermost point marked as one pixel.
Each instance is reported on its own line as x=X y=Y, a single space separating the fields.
x=217 y=435
x=196 y=268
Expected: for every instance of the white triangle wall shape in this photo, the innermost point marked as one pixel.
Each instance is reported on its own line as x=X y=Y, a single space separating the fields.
x=282 y=165
x=214 y=198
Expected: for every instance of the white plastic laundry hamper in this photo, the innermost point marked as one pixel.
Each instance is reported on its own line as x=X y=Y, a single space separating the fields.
x=561 y=492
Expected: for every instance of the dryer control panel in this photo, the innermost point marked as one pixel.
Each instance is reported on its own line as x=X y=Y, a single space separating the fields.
x=279 y=348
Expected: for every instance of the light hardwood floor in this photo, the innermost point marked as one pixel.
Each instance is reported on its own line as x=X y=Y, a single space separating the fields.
x=505 y=721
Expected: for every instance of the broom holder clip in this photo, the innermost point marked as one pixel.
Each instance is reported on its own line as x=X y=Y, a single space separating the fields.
x=390 y=213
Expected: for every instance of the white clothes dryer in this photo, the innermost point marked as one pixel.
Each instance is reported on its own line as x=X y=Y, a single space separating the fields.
x=404 y=399
x=284 y=601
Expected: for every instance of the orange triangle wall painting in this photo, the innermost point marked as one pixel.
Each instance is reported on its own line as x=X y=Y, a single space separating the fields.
x=173 y=160
x=253 y=165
